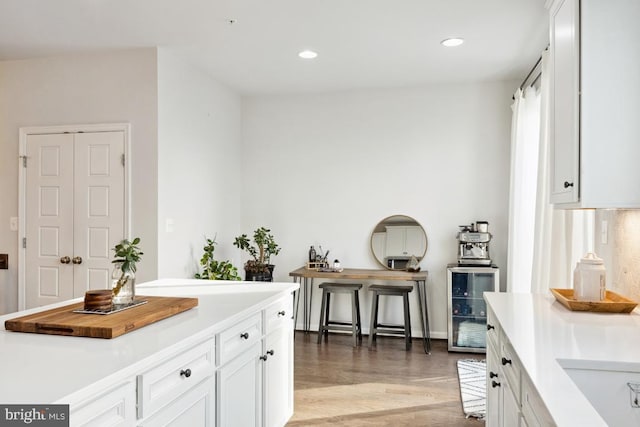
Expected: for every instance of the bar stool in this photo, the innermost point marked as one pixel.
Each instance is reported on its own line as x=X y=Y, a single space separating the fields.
x=376 y=327
x=325 y=324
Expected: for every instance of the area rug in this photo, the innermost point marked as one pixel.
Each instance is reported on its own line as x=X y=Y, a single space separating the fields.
x=472 y=378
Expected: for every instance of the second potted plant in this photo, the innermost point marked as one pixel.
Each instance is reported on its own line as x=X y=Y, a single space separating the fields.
x=258 y=268
x=123 y=278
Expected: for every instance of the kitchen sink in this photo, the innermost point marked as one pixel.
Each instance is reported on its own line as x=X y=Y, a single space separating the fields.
x=609 y=387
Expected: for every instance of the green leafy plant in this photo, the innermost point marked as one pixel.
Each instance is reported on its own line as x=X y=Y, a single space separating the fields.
x=213 y=269
x=127 y=254
x=263 y=247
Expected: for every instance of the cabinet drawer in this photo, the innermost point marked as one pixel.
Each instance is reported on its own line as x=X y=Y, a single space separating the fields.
x=238 y=338
x=493 y=329
x=278 y=314
x=511 y=368
x=533 y=410
x=159 y=386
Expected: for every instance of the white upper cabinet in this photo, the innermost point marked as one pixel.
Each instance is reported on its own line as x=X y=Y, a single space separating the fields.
x=405 y=241
x=595 y=103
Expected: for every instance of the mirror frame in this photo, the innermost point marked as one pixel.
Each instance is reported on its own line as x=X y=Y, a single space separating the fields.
x=381 y=224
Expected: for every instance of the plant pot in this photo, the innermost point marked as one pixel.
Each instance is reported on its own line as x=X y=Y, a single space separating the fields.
x=259 y=276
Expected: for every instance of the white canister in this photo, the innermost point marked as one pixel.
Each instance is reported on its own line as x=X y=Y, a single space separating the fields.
x=589 y=279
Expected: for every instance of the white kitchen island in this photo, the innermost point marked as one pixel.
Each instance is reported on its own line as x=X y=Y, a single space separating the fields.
x=226 y=362
x=547 y=365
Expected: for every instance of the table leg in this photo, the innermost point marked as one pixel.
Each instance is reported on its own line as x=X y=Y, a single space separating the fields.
x=421 y=286
x=296 y=302
x=310 y=302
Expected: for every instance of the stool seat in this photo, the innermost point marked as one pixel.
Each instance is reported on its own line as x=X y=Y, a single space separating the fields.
x=390 y=290
x=344 y=288
x=326 y=324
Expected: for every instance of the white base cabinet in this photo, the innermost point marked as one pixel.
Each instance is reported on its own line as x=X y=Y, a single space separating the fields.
x=278 y=375
x=256 y=387
x=239 y=375
x=240 y=390
x=511 y=399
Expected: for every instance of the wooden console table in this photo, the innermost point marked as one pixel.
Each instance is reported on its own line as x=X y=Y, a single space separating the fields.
x=305 y=277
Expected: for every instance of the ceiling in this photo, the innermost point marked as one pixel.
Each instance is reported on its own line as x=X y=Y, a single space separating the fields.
x=360 y=43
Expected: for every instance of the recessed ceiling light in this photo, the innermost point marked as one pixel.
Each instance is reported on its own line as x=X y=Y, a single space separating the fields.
x=452 y=42
x=307 y=54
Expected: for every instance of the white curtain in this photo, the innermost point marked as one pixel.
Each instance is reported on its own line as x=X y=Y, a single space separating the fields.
x=544 y=243
x=525 y=137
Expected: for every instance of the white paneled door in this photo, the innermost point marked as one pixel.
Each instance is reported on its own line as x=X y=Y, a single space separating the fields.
x=74 y=213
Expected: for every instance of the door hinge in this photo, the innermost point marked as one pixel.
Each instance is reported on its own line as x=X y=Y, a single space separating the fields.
x=122 y=159
x=24 y=161
x=24 y=243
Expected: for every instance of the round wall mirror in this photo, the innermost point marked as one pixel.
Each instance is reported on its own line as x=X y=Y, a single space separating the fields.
x=396 y=239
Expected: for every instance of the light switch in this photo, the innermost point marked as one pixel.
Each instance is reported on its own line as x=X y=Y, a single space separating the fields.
x=168 y=225
x=13 y=223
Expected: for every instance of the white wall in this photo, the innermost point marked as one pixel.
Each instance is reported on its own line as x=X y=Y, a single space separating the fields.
x=101 y=88
x=199 y=127
x=324 y=169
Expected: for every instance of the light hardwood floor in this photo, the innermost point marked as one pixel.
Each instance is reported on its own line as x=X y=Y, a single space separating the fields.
x=338 y=385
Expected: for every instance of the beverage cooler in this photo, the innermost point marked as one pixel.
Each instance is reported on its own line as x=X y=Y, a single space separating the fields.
x=467 y=310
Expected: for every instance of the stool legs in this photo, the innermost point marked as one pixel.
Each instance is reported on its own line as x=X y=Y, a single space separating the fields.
x=407 y=322
x=356 y=330
x=322 y=318
x=374 y=319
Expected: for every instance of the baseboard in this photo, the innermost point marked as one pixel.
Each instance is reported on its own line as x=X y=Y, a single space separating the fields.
x=414 y=333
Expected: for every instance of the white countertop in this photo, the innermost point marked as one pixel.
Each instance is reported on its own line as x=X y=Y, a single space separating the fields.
x=542 y=331
x=40 y=369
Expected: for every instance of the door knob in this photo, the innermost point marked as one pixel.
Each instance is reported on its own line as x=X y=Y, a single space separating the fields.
x=65 y=260
x=77 y=260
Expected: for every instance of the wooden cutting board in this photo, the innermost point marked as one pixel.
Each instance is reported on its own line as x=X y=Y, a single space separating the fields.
x=63 y=321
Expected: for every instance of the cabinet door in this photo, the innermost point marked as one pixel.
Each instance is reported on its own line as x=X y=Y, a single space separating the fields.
x=396 y=241
x=565 y=102
x=510 y=411
x=195 y=408
x=278 y=389
x=239 y=389
x=116 y=407
x=415 y=241
x=493 y=388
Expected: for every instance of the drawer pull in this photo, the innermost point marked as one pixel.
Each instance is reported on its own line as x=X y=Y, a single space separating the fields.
x=245 y=335
x=281 y=313
x=495 y=384
x=185 y=373
x=263 y=358
x=506 y=361
x=490 y=327
x=493 y=375
x=271 y=352
x=568 y=184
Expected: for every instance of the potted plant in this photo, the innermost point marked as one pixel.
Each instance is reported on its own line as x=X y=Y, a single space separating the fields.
x=213 y=269
x=123 y=278
x=258 y=268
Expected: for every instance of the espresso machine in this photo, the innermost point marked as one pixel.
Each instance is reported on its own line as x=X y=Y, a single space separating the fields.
x=473 y=244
